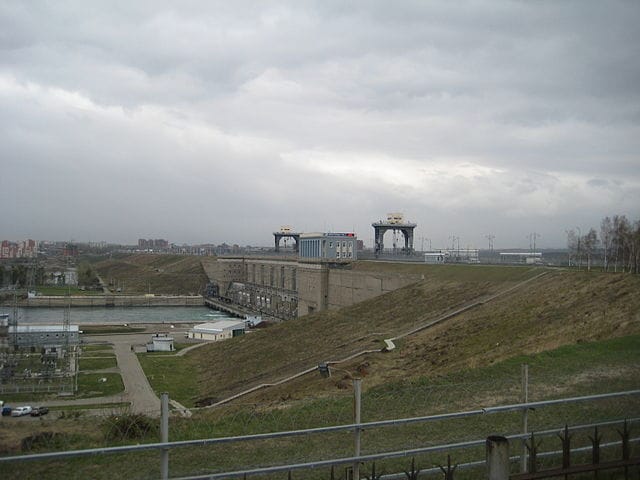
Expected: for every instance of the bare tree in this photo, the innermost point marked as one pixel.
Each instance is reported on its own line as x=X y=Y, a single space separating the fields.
x=573 y=243
x=606 y=236
x=589 y=245
x=620 y=240
x=635 y=242
x=619 y=233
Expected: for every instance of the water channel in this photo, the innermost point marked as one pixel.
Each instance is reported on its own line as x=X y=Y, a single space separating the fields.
x=118 y=315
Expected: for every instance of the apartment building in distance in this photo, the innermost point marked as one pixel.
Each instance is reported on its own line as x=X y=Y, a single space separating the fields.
x=22 y=249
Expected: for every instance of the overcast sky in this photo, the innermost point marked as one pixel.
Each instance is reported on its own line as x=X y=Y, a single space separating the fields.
x=221 y=121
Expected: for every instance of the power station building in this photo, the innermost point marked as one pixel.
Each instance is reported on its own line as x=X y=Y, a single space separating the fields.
x=330 y=246
x=44 y=335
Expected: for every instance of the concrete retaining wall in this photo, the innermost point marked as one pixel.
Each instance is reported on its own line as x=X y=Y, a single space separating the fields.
x=114 y=301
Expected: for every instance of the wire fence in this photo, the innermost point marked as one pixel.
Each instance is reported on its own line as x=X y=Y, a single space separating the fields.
x=466 y=391
x=421 y=439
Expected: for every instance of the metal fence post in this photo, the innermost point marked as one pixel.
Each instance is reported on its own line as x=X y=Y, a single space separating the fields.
x=357 y=401
x=497 y=458
x=164 y=435
x=525 y=416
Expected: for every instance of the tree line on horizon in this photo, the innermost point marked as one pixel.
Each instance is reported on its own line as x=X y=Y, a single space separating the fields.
x=618 y=243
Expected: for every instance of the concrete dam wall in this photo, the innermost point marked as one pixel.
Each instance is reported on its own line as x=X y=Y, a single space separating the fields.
x=289 y=287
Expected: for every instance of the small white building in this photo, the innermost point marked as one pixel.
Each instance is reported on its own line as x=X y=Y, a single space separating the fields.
x=215 y=331
x=160 y=342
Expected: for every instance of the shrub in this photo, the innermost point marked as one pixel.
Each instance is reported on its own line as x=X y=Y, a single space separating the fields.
x=129 y=426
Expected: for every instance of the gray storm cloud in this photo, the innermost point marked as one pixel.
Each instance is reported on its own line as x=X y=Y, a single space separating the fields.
x=221 y=121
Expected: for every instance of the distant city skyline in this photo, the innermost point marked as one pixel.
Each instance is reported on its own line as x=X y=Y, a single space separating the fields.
x=212 y=122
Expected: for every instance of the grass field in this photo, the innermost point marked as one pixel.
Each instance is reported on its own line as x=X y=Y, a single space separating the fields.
x=98 y=353
x=97 y=363
x=97 y=348
x=172 y=374
x=91 y=384
x=62 y=291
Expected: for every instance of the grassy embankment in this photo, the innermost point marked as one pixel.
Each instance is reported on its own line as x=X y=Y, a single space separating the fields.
x=559 y=308
x=570 y=370
x=159 y=274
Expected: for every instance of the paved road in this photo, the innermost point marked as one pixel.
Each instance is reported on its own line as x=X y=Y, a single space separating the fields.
x=137 y=390
x=136 y=386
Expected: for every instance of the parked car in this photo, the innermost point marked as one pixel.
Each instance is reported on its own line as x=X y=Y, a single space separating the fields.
x=6 y=411
x=38 y=411
x=20 y=411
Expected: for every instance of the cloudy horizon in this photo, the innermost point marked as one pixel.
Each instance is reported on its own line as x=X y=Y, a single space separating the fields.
x=211 y=122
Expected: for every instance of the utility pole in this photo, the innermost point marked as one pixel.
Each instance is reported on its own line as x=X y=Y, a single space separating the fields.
x=490 y=237
x=532 y=241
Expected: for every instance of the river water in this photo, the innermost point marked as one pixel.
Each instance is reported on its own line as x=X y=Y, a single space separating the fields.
x=117 y=315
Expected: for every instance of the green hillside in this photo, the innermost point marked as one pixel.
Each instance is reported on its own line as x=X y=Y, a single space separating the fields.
x=162 y=274
x=558 y=308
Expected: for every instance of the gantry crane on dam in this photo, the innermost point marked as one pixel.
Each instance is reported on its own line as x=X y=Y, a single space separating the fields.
x=396 y=223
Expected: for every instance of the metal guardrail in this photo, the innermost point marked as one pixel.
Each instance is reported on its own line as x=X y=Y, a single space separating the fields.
x=165 y=446
x=387 y=455
x=513 y=459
